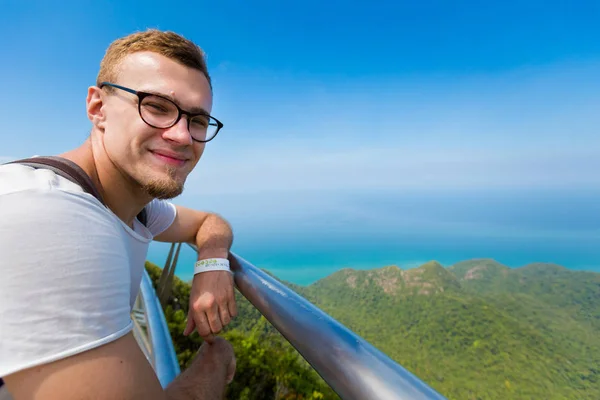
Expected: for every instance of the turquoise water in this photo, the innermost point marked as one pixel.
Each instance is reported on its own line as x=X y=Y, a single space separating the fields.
x=371 y=231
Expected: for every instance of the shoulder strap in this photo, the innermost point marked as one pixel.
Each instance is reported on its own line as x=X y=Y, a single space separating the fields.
x=73 y=172
x=143 y=217
x=65 y=168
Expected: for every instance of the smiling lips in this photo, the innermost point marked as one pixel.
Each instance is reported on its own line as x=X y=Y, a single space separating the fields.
x=170 y=157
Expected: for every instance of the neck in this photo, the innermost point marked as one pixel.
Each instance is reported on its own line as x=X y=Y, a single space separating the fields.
x=123 y=197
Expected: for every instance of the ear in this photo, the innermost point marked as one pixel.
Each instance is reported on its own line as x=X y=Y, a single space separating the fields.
x=94 y=106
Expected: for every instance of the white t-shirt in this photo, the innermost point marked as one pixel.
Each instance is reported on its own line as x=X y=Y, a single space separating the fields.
x=70 y=269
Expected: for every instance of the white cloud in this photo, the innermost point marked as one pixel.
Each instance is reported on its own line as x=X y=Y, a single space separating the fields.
x=293 y=168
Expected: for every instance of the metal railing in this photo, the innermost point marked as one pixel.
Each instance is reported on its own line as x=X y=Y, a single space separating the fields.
x=354 y=368
x=153 y=334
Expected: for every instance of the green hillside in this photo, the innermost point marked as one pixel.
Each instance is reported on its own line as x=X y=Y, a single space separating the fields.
x=479 y=274
x=475 y=330
x=575 y=292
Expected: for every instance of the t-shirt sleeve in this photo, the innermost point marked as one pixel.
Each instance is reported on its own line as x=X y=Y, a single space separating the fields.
x=161 y=214
x=64 y=278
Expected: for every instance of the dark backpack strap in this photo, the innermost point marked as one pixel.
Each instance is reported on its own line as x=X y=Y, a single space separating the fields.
x=143 y=217
x=73 y=172
x=65 y=168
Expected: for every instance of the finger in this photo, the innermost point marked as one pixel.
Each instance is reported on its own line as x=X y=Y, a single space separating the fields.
x=189 y=326
x=202 y=325
x=225 y=318
x=232 y=308
x=210 y=338
x=214 y=320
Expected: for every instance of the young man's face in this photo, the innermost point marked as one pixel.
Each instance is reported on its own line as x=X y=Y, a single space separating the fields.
x=158 y=160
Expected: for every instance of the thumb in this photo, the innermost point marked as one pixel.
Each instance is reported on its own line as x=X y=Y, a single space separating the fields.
x=231 y=371
x=190 y=325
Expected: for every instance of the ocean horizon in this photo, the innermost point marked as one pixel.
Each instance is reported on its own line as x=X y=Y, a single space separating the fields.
x=513 y=227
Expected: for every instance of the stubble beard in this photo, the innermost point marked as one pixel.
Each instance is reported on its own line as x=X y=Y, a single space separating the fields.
x=164 y=187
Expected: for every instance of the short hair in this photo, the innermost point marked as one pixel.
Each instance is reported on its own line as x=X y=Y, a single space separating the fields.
x=166 y=43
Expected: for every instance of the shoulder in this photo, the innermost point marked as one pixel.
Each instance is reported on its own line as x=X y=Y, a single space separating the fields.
x=17 y=177
x=160 y=214
x=38 y=198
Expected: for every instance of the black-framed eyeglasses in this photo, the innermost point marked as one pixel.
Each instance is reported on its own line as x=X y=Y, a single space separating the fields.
x=161 y=112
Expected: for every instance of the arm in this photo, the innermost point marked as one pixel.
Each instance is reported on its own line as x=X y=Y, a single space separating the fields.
x=65 y=325
x=212 y=300
x=209 y=232
x=119 y=370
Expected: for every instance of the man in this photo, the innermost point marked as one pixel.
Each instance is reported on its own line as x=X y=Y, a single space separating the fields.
x=70 y=267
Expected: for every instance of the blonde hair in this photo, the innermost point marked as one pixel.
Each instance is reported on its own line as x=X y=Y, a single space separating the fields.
x=166 y=43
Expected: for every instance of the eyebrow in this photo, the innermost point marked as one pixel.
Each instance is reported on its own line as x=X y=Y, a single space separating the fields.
x=193 y=110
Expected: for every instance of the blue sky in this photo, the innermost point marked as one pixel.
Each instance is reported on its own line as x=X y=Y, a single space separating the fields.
x=325 y=100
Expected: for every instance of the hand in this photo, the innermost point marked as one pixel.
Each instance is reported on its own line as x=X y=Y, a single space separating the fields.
x=219 y=352
x=212 y=304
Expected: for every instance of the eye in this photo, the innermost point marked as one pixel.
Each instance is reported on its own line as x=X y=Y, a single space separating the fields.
x=200 y=122
x=156 y=107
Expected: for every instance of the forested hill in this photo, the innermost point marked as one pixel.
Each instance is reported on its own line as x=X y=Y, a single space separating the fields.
x=475 y=330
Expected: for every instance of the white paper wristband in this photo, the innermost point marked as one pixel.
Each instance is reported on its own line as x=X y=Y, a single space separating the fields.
x=211 y=264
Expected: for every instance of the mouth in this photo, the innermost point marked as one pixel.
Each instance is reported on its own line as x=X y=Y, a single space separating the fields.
x=169 y=158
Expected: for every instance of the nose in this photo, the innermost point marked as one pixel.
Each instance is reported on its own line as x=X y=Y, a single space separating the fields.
x=179 y=132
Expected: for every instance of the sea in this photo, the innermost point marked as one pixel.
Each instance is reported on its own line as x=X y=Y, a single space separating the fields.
x=304 y=237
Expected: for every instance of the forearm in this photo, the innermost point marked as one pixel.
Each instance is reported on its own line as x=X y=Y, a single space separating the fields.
x=208 y=231
x=214 y=238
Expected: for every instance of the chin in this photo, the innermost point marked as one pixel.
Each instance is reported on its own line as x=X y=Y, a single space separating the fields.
x=163 y=192
x=164 y=187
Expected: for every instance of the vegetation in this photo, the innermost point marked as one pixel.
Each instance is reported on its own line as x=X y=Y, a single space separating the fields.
x=475 y=330
x=268 y=367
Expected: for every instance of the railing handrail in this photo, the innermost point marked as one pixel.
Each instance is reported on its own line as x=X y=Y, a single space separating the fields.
x=353 y=368
x=165 y=361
